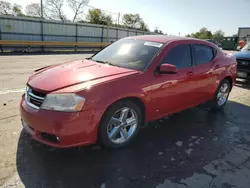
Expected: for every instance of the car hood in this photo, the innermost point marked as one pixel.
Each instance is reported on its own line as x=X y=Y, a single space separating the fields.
x=71 y=73
x=243 y=54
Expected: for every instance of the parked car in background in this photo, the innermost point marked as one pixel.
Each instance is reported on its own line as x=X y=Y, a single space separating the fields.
x=214 y=42
x=243 y=60
x=108 y=97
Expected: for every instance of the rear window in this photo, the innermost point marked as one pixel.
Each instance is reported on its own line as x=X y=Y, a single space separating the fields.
x=202 y=53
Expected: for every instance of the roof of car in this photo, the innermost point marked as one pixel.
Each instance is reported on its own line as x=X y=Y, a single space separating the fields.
x=160 y=38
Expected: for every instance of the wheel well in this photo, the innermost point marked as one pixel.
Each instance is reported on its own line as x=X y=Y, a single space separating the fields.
x=135 y=100
x=230 y=81
x=139 y=102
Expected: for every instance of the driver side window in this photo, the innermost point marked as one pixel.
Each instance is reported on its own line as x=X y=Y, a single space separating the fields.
x=180 y=56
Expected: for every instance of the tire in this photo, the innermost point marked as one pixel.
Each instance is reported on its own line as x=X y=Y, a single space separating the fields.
x=109 y=124
x=216 y=103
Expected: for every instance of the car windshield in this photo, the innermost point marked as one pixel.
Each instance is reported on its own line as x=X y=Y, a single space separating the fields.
x=246 y=47
x=129 y=53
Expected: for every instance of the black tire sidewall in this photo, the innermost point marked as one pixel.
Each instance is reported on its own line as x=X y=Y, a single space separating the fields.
x=102 y=132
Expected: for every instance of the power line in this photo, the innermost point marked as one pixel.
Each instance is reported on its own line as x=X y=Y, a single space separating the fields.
x=101 y=9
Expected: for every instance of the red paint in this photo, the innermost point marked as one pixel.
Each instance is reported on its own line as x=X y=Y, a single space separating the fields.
x=102 y=85
x=168 y=68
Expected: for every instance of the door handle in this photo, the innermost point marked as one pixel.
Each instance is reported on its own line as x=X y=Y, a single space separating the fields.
x=190 y=73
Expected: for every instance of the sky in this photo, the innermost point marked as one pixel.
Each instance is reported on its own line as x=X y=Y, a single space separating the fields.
x=177 y=16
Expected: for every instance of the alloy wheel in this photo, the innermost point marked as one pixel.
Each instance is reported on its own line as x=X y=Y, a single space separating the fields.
x=122 y=125
x=222 y=94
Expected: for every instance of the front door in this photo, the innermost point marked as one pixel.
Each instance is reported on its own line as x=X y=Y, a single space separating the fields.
x=170 y=93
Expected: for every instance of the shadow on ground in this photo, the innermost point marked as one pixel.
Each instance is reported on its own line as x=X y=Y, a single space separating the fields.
x=147 y=162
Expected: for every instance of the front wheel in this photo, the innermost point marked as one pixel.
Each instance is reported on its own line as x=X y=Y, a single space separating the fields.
x=221 y=95
x=120 y=124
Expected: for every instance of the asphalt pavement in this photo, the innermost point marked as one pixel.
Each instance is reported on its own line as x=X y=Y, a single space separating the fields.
x=197 y=148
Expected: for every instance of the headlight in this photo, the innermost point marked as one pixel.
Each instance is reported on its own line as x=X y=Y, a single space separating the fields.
x=26 y=93
x=63 y=102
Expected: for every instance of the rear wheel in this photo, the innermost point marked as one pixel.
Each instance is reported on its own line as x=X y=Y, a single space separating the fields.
x=120 y=124
x=221 y=95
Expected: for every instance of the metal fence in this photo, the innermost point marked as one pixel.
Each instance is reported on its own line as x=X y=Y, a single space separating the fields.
x=34 y=29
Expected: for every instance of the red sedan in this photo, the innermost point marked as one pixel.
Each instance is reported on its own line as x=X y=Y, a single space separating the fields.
x=109 y=96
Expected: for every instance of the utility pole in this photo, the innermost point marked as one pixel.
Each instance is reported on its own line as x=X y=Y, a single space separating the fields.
x=42 y=9
x=118 y=21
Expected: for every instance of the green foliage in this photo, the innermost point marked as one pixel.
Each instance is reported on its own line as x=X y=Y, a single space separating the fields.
x=53 y=10
x=131 y=20
x=17 y=10
x=96 y=16
x=204 y=33
x=7 y=9
x=143 y=26
x=8 y=27
x=218 y=35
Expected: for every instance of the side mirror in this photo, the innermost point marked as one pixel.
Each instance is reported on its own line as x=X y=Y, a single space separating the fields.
x=168 y=69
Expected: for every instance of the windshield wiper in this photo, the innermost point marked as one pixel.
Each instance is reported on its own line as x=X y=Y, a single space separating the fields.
x=106 y=62
x=112 y=64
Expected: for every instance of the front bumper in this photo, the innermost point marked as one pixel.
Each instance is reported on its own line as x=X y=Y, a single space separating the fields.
x=245 y=71
x=59 y=129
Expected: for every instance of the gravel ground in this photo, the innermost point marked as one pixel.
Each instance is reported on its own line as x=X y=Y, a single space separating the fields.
x=195 y=148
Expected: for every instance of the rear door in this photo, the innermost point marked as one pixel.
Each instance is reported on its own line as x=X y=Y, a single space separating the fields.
x=205 y=71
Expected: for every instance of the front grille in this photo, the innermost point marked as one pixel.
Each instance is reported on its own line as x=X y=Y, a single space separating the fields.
x=243 y=64
x=39 y=94
x=34 y=98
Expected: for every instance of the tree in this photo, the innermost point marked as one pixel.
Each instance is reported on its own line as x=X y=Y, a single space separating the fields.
x=204 y=33
x=33 y=9
x=77 y=7
x=106 y=19
x=53 y=10
x=158 y=31
x=17 y=10
x=143 y=26
x=96 y=16
x=131 y=20
x=195 y=35
x=5 y=7
x=218 y=35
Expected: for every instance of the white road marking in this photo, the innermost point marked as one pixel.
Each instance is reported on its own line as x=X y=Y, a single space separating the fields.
x=7 y=91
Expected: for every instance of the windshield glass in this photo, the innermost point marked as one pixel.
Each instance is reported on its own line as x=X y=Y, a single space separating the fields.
x=129 y=53
x=246 y=47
